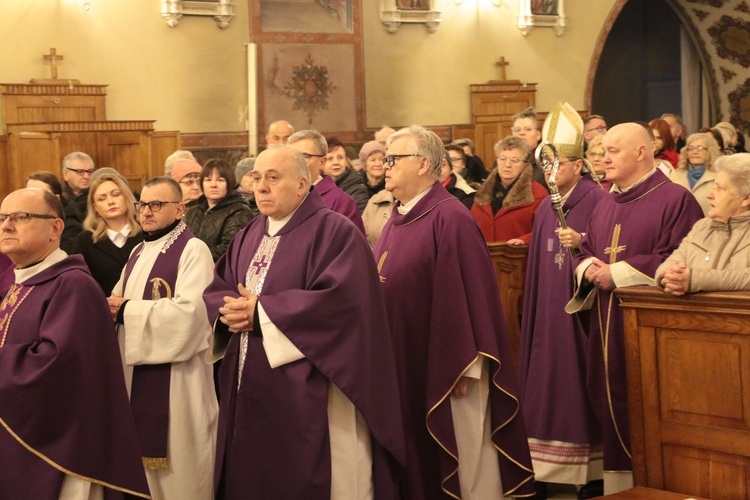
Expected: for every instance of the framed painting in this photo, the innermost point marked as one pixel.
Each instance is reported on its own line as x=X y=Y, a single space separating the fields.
x=394 y=13
x=544 y=13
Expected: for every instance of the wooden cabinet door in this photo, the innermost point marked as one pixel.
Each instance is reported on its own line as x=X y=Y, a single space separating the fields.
x=30 y=152
x=127 y=152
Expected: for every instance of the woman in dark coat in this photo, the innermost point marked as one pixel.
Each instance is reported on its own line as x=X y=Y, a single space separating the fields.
x=111 y=228
x=222 y=211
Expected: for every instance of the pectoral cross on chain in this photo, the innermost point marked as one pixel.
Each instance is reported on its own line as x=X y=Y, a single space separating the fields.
x=560 y=257
x=615 y=248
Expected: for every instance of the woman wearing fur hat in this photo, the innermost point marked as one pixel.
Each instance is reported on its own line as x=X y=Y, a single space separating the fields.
x=505 y=204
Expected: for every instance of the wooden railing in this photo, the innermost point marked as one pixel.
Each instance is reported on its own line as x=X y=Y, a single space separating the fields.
x=688 y=363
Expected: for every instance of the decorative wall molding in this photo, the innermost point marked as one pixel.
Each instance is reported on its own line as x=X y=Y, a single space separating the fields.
x=222 y=11
x=555 y=19
x=394 y=13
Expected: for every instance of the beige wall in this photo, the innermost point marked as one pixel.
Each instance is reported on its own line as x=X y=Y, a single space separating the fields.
x=190 y=78
x=193 y=78
x=416 y=77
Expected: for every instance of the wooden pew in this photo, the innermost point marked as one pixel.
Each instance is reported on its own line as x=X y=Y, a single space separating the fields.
x=688 y=362
x=510 y=271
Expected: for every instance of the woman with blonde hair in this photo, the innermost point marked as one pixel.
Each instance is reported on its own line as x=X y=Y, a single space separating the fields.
x=111 y=229
x=695 y=170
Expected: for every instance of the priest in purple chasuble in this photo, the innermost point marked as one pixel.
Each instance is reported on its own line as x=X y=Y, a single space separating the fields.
x=632 y=230
x=465 y=436
x=564 y=440
x=314 y=148
x=309 y=405
x=66 y=430
x=7 y=277
x=163 y=333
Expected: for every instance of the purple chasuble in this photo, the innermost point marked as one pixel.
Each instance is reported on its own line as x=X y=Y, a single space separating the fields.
x=641 y=227
x=339 y=201
x=444 y=311
x=63 y=402
x=552 y=359
x=322 y=292
x=7 y=277
x=149 y=391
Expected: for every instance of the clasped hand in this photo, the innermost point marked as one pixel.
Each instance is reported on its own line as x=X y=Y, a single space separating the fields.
x=238 y=312
x=600 y=275
x=676 y=279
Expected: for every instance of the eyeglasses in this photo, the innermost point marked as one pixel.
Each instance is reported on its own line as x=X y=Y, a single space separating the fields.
x=154 y=206
x=696 y=148
x=527 y=128
x=595 y=155
x=390 y=160
x=456 y=160
x=512 y=161
x=308 y=156
x=23 y=217
x=81 y=171
x=191 y=182
x=600 y=128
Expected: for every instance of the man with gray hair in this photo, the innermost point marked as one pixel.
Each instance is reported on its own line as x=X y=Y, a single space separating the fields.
x=308 y=381
x=456 y=376
x=314 y=148
x=77 y=169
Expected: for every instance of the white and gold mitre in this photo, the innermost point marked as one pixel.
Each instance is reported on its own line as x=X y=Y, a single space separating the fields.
x=564 y=129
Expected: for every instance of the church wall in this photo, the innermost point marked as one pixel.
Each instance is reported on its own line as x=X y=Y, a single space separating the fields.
x=190 y=78
x=416 y=77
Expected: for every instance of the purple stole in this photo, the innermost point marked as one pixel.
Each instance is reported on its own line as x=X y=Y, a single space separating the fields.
x=149 y=393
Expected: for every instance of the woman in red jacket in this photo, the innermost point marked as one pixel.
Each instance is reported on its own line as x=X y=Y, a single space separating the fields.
x=505 y=204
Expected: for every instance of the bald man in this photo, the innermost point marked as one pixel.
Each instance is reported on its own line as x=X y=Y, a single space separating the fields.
x=632 y=230
x=279 y=132
x=67 y=430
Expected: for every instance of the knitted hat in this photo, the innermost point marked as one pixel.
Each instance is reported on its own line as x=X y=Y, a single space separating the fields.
x=243 y=166
x=108 y=171
x=369 y=148
x=564 y=129
x=183 y=166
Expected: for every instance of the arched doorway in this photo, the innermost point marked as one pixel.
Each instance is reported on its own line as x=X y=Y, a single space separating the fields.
x=648 y=65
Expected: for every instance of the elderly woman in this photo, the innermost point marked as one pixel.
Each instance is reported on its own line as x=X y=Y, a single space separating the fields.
x=373 y=172
x=187 y=172
x=73 y=220
x=455 y=184
x=595 y=156
x=337 y=166
x=715 y=255
x=696 y=167
x=221 y=212
x=664 y=142
x=111 y=228
x=243 y=172
x=505 y=204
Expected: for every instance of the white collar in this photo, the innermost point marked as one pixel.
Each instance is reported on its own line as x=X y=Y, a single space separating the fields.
x=404 y=209
x=29 y=272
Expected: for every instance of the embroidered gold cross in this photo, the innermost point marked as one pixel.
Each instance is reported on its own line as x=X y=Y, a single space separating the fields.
x=614 y=249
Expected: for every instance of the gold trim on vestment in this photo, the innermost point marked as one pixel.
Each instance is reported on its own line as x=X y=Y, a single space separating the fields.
x=154 y=463
x=606 y=373
x=641 y=196
x=650 y=278
x=10 y=300
x=492 y=433
x=427 y=211
x=66 y=471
